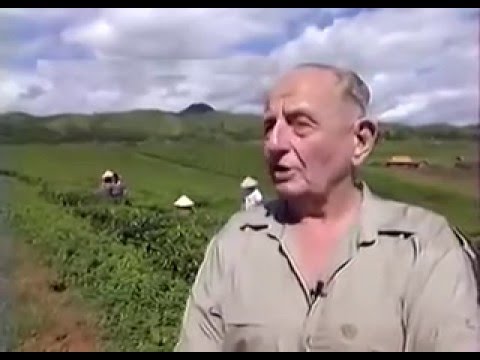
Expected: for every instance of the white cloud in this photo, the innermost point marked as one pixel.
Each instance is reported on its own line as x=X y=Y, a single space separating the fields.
x=422 y=64
x=9 y=91
x=17 y=85
x=110 y=85
x=390 y=47
x=175 y=33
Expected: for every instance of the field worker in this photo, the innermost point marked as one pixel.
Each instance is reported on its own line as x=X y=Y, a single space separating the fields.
x=329 y=265
x=251 y=195
x=111 y=185
x=107 y=180
x=118 y=189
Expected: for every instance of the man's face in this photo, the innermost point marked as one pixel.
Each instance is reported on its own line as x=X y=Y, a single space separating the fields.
x=308 y=134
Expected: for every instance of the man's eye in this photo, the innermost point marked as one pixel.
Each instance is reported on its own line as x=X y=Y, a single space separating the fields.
x=268 y=126
x=301 y=125
x=298 y=119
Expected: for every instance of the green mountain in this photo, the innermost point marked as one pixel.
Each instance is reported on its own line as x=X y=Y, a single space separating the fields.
x=198 y=121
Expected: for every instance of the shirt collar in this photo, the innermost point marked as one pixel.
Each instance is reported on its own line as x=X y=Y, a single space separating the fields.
x=273 y=217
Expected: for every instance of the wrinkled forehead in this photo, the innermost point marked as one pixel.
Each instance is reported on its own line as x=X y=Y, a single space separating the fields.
x=305 y=88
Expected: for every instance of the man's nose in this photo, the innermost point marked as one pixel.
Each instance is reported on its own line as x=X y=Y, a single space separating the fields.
x=279 y=138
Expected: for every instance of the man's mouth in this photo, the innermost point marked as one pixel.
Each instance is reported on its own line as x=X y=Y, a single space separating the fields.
x=282 y=173
x=281 y=168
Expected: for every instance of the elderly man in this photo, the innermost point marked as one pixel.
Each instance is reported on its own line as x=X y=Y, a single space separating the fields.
x=329 y=266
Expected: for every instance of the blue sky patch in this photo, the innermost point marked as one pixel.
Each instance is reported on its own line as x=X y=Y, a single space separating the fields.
x=294 y=28
x=50 y=45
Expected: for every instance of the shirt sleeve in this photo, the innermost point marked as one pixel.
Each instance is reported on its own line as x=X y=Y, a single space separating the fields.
x=258 y=197
x=202 y=325
x=443 y=309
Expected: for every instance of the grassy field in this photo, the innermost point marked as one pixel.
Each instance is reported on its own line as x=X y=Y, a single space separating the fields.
x=437 y=152
x=134 y=264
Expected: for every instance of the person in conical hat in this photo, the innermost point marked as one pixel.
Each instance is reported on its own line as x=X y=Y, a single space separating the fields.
x=107 y=176
x=184 y=202
x=184 y=205
x=119 y=188
x=106 y=181
x=251 y=195
x=111 y=185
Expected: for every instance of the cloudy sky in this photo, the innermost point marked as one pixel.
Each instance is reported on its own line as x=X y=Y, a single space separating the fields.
x=422 y=64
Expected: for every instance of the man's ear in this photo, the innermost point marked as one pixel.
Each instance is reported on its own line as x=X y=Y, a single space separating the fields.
x=365 y=132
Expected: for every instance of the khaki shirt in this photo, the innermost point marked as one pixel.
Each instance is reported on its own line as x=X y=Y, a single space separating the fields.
x=400 y=281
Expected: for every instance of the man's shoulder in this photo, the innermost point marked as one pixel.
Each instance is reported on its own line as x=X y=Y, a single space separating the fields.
x=433 y=236
x=243 y=228
x=260 y=215
x=429 y=228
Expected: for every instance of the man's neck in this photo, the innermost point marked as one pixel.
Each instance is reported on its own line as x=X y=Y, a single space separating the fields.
x=342 y=201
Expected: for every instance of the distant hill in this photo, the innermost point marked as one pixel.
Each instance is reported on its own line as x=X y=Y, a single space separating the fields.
x=197 y=121
x=196 y=109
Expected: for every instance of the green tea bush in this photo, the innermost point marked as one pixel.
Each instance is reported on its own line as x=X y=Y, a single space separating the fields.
x=174 y=243
x=136 y=263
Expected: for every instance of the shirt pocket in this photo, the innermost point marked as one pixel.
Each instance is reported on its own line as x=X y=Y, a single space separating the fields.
x=247 y=332
x=352 y=336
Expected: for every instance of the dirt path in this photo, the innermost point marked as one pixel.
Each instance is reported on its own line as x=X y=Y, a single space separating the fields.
x=47 y=317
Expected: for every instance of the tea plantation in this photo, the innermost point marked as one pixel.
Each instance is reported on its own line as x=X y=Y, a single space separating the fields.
x=135 y=261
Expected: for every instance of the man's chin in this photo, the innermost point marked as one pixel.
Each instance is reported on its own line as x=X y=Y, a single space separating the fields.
x=288 y=190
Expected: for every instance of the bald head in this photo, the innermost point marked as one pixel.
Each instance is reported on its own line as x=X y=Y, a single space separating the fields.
x=322 y=77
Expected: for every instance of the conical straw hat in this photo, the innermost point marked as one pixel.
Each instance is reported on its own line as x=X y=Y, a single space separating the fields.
x=248 y=182
x=183 y=202
x=108 y=173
